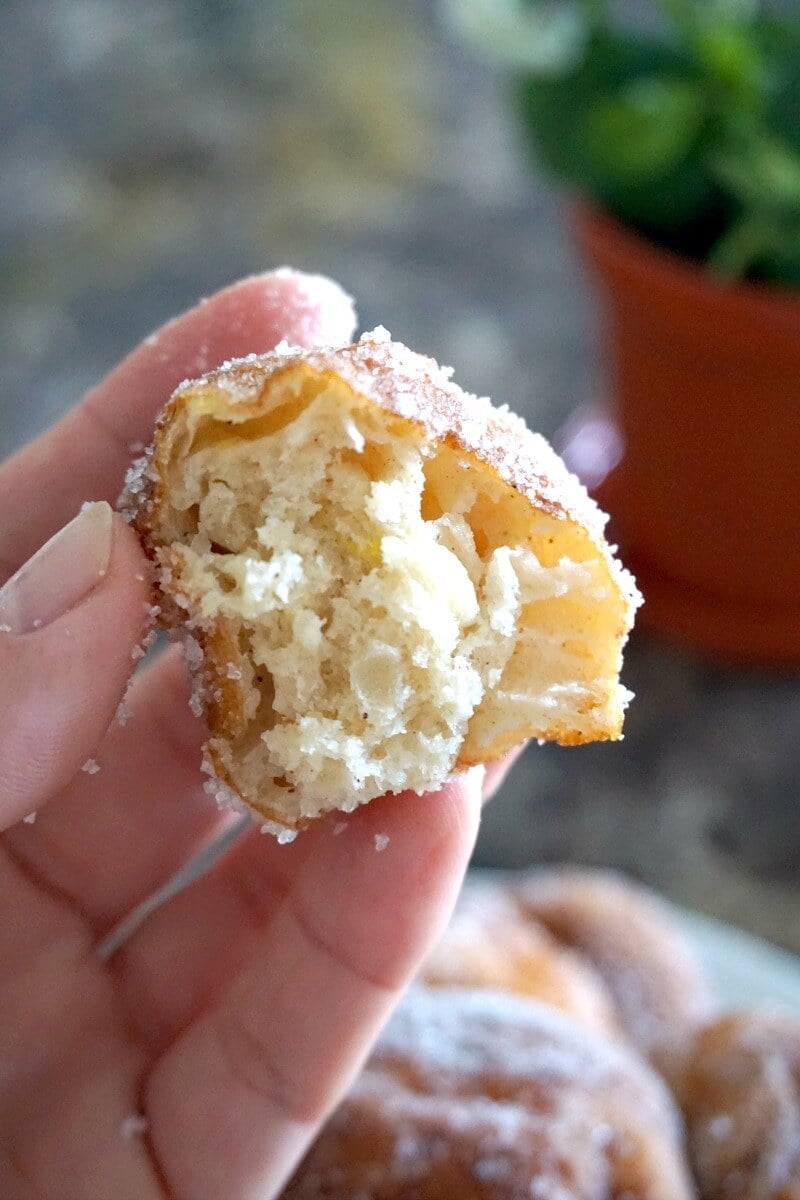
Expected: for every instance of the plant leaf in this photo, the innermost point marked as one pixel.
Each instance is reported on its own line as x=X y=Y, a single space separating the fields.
x=555 y=112
x=731 y=56
x=642 y=131
x=763 y=247
x=763 y=173
x=742 y=247
x=782 y=264
x=783 y=54
x=742 y=11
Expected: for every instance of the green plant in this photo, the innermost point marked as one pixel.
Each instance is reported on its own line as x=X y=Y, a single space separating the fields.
x=686 y=126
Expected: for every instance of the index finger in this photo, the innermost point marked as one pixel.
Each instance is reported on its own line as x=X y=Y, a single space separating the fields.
x=86 y=454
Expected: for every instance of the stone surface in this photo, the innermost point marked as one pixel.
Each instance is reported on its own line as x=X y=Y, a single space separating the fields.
x=156 y=151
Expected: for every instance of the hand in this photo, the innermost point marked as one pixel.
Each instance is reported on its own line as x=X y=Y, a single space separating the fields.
x=198 y=1062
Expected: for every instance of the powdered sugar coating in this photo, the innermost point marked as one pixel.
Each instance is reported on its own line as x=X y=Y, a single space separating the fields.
x=490 y=943
x=737 y=1080
x=139 y=481
x=472 y=1032
x=193 y=653
x=482 y=1096
x=148 y=641
x=227 y=799
x=418 y=388
x=282 y=835
x=627 y=935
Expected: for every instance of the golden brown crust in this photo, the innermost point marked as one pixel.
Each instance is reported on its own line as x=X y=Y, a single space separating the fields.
x=415 y=388
x=481 y=1096
x=490 y=944
x=657 y=981
x=737 y=1080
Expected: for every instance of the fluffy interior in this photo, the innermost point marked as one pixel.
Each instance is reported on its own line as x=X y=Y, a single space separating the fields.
x=392 y=608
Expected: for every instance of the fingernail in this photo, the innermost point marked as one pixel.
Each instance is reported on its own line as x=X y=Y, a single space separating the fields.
x=60 y=574
x=314 y=309
x=473 y=781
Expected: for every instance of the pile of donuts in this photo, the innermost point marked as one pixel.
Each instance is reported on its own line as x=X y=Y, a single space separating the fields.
x=563 y=1042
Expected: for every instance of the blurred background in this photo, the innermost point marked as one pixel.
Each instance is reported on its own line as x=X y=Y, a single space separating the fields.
x=153 y=152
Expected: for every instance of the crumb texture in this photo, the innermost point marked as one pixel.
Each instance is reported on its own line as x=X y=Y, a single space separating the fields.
x=376 y=606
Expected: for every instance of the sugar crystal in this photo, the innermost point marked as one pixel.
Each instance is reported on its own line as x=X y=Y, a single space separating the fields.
x=133 y=1126
x=720 y=1127
x=282 y=835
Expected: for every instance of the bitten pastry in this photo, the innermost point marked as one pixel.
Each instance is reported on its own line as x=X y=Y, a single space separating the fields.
x=382 y=579
x=484 y=1096
x=657 y=981
x=489 y=944
x=737 y=1080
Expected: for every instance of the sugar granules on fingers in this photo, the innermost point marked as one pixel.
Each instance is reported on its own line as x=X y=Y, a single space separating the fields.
x=133 y=1126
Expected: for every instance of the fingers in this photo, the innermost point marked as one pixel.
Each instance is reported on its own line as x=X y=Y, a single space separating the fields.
x=113 y=838
x=87 y=453
x=167 y=976
x=234 y=900
x=70 y=618
x=496 y=772
x=235 y=1101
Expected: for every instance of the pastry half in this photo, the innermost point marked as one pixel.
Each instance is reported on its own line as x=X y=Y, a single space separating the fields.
x=380 y=579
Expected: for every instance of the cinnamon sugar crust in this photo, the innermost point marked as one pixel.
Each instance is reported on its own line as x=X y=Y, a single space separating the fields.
x=434 y=586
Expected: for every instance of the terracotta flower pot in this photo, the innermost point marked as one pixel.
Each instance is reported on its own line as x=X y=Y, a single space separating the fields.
x=704 y=389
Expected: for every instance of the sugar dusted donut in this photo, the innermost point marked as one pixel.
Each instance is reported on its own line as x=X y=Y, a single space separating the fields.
x=484 y=1096
x=490 y=944
x=381 y=579
x=627 y=934
x=737 y=1080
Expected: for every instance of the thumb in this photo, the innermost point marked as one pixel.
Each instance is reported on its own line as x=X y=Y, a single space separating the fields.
x=69 y=619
